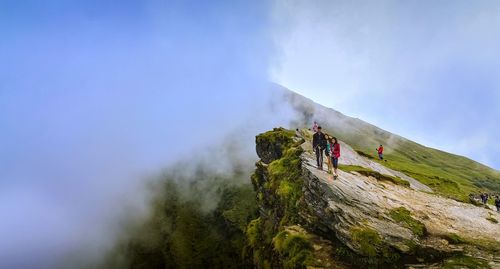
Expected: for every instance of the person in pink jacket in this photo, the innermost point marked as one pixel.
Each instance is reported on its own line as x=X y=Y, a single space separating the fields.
x=335 y=154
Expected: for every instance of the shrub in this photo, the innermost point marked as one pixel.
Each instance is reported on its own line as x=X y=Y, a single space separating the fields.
x=367 y=239
x=295 y=249
x=454 y=238
x=403 y=216
x=465 y=262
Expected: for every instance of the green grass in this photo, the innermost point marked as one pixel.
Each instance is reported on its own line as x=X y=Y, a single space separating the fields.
x=373 y=248
x=362 y=153
x=253 y=232
x=277 y=136
x=285 y=181
x=370 y=173
x=447 y=174
x=279 y=189
x=465 y=262
x=454 y=238
x=403 y=216
x=295 y=249
x=368 y=240
x=486 y=245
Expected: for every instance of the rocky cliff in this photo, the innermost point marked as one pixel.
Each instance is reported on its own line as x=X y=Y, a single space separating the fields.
x=369 y=217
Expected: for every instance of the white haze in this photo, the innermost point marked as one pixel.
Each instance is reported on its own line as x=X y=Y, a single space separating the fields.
x=94 y=105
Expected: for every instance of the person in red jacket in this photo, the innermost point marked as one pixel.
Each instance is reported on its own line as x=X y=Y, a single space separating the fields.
x=335 y=154
x=380 y=151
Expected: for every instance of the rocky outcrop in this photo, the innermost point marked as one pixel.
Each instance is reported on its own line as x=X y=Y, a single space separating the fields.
x=270 y=146
x=362 y=220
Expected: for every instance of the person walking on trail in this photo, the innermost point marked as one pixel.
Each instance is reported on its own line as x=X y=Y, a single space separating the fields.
x=335 y=153
x=484 y=198
x=315 y=127
x=327 y=153
x=497 y=203
x=319 y=145
x=380 y=152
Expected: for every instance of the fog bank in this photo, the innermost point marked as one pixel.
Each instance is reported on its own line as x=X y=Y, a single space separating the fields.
x=98 y=97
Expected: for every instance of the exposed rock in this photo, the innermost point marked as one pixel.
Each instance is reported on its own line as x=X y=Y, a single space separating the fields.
x=359 y=212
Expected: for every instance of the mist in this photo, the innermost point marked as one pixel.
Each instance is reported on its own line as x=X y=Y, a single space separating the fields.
x=97 y=97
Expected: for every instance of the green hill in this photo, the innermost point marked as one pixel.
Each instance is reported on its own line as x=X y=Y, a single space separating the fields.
x=447 y=174
x=209 y=219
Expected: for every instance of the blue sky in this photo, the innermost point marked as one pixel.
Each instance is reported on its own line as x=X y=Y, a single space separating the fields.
x=96 y=96
x=426 y=70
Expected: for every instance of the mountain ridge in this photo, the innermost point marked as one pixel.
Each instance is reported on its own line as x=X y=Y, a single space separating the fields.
x=288 y=91
x=368 y=222
x=288 y=214
x=449 y=174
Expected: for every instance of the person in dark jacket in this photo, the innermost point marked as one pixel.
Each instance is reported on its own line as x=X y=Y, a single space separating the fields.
x=497 y=203
x=319 y=145
x=486 y=197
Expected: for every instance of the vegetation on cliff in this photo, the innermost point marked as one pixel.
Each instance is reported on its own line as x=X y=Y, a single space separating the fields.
x=279 y=188
x=182 y=233
x=280 y=221
x=403 y=215
x=279 y=185
x=373 y=249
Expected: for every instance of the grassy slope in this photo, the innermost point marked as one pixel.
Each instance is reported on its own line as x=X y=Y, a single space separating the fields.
x=448 y=174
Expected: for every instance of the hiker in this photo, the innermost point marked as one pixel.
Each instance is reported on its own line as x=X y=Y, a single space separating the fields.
x=319 y=145
x=380 y=152
x=497 y=203
x=315 y=127
x=335 y=153
x=482 y=197
x=327 y=153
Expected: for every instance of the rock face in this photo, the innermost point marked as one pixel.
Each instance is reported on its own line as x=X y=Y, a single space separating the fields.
x=364 y=221
x=270 y=146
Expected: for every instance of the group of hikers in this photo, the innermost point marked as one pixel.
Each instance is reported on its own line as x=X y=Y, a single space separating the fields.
x=329 y=145
x=485 y=197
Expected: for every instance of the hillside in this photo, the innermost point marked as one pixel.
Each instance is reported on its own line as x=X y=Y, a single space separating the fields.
x=288 y=214
x=363 y=219
x=447 y=174
x=295 y=216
